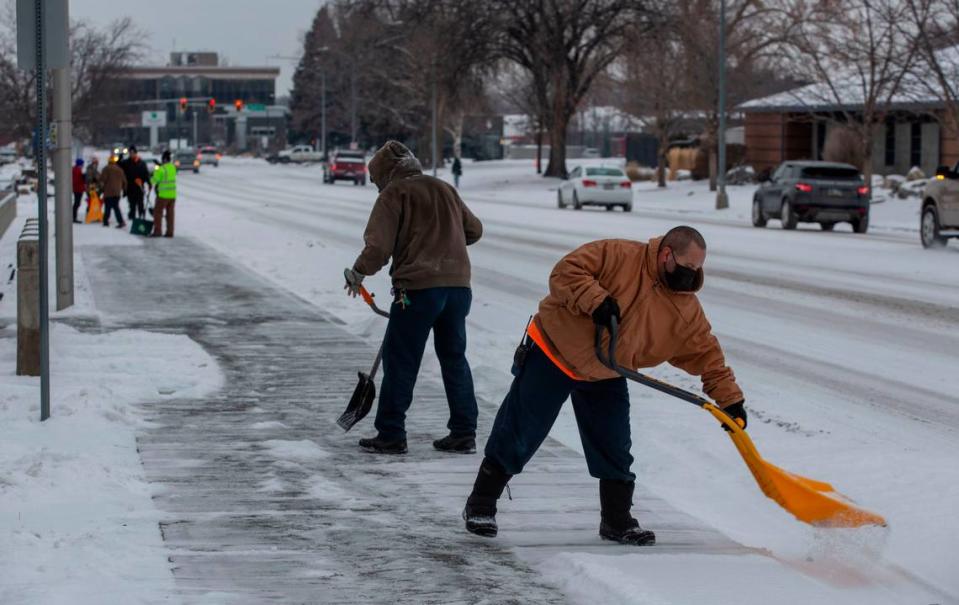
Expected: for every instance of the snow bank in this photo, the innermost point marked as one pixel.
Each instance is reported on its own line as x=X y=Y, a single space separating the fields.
x=76 y=518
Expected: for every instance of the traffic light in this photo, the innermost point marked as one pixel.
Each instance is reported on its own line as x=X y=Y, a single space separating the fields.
x=211 y=105
x=183 y=102
x=238 y=104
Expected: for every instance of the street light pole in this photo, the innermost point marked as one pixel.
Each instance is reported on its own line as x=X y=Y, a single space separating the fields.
x=435 y=150
x=323 y=112
x=353 y=107
x=722 y=200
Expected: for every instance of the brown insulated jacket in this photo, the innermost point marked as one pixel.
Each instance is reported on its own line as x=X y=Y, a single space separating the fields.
x=418 y=221
x=113 y=181
x=658 y=324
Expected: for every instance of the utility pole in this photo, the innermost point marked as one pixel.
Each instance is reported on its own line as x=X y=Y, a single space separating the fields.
x=196 y=141
x=323 y=111
x=722 y=200
x=353 y=107
x=434 y=119
x=63 y=216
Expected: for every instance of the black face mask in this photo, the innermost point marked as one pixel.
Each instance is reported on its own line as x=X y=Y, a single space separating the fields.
x=681 y=279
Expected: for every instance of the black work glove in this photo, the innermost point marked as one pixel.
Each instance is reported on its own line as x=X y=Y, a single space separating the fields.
x=604 y=313
x=737 y=412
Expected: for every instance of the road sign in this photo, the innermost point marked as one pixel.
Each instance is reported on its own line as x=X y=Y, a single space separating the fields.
x=256 y=107
x=55 y=39
x=154 y=118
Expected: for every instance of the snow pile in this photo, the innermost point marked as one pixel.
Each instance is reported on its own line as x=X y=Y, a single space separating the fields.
x=76 y=518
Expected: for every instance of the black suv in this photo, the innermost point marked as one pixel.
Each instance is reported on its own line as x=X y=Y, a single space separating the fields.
x=813 y=192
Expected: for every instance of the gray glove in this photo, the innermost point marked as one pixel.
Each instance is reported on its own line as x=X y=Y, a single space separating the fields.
x=354 y=280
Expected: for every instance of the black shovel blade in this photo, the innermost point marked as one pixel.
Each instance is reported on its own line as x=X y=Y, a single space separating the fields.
x=360 y=403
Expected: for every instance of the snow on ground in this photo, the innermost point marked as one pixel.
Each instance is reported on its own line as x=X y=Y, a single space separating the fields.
x=846 y=346
x=77 y=523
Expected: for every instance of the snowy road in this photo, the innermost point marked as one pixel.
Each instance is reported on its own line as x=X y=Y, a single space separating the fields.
x=847 y=347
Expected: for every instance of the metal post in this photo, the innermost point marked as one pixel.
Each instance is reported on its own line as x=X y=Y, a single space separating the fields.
x=323 y=112
x=434 y=120
x=196 y=141
x=722 y=200
x=353 y=107
x=41 y=81
x=64 y=187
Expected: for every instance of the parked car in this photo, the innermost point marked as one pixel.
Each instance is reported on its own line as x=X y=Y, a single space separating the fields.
x=8 y=156
x=596 y=186
x=346 y=166
x=186 y=159
x=939 y=219
x=813 y=192
x=297 y=154
x=209 y=155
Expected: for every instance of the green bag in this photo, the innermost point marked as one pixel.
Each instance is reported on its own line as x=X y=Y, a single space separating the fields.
x=141 y=226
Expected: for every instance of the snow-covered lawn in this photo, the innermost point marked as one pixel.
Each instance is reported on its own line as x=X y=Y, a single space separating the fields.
x=77 y=523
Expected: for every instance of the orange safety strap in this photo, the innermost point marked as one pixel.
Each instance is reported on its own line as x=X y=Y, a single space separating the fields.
x=540 y=340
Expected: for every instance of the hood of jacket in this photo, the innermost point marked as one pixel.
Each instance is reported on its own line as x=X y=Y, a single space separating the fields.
x=393 y=161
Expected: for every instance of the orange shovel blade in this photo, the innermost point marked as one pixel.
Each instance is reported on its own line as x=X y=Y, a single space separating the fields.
x=810 y=501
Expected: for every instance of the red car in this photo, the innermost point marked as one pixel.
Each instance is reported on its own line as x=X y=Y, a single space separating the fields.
x=346 y=166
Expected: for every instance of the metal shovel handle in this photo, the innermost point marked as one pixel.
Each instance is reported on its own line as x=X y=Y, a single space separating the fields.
x=610 y=362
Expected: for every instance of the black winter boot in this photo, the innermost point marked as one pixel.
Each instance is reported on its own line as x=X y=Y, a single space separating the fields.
x=456 y=445
x=617 y=524
x=480 y=511
x=379 y=445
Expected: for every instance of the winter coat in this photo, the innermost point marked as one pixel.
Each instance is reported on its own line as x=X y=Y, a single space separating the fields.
x=418 y=221
x=164 y=179
x=113 y=181
x=457 y=167
x=136 y=172
x=657 y=325
x=93 y=176
x=79 y=184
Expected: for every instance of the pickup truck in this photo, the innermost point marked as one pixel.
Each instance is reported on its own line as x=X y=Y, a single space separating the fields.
x=296 y=154
x=939 y=219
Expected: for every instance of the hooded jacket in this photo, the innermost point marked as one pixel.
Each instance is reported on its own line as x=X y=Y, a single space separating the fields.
x=113 y=181
x=418 y=221
x=658 y=325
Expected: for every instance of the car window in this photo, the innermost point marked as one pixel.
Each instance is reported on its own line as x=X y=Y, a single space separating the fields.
x=575 y=173
x=780 y=172
x=604 y=172
x=832 y=173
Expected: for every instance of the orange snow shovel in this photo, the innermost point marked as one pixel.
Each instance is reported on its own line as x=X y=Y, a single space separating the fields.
x=810 y=501
x=365 y=392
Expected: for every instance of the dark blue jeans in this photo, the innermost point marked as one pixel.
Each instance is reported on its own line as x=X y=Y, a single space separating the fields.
x=444 y=311
x=533 y=403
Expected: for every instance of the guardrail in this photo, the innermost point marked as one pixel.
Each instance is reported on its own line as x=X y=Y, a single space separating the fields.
x=8 y=210
x=28 y=299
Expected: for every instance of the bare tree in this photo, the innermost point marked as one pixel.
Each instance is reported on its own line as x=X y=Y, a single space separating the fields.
x=98 y=59
x=754 y=37
x=656 y=86
x=564 y=45
x=935 y=25
x=857 y=55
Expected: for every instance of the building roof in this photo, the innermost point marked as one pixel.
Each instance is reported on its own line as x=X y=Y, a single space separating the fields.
x=212 y=72
x=915 y=92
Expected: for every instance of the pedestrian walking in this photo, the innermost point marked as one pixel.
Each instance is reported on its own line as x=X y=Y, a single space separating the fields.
x=164 y=182
x=457 y=171
x=79 y=187
x=420 y=223
x=114 y=182
x=138 y=177
x=650 y=289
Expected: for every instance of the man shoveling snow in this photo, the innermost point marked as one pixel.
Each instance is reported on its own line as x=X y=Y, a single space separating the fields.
x=650 y=289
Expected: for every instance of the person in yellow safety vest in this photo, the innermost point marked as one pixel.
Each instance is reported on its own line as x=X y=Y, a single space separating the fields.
x=164 y=182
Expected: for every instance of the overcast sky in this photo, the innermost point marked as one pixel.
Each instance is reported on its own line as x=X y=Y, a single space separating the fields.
x=246 y=32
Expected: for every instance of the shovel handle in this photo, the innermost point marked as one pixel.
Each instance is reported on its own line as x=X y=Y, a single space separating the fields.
x=610 y=362
x=368 y=299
